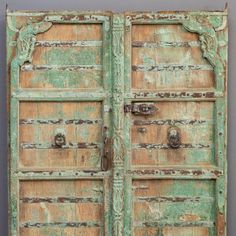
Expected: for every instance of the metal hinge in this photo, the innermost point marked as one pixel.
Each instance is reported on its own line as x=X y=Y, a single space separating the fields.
x=141 y=108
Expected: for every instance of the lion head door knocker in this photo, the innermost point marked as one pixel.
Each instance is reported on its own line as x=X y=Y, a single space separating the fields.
x=60 y=138
x=174 y=137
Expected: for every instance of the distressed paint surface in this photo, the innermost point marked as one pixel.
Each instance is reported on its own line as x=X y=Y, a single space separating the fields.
x=60 y=189
x=116 y=173
x=175 y=61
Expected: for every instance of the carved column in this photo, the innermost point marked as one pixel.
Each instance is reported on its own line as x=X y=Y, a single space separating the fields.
x=118 y=121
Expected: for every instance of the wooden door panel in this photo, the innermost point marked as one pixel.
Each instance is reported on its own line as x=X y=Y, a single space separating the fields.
x=168 y=57
x=48 y=206
x=62 y=109
x=81 y=123
x=149 y=135
x=176 y=190
x=165 y=203
x=72 y=59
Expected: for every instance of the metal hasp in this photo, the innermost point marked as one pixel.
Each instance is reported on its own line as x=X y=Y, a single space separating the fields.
x=174 y=137
x=141 y=109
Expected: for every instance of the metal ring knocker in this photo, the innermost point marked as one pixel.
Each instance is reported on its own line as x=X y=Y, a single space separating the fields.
x=60 y=138
x=174 y=137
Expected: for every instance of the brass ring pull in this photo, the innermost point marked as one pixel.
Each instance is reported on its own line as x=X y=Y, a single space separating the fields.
x=174 y=137
x=60 y=138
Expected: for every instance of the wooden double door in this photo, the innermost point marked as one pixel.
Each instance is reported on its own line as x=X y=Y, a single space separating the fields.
x=117 y=123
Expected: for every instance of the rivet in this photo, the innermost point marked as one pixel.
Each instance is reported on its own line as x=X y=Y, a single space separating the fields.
x=142 y=130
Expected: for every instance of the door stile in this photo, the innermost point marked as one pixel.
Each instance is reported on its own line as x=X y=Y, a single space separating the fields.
x=14 y=183
x=118 y=123
x=128 y=207
x=17 y=94
x=216 y=172
x=220 y=154
x=107 y=124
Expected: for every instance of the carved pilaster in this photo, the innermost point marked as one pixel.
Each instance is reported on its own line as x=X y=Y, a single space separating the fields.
x=118 y=114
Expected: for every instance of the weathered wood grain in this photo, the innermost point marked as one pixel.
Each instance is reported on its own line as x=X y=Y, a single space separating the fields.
x=79 y=73
x=149 y=135
x=81 y=123
x=65 y=204
x=79 y=49
x=186 y=203
x=167 y=58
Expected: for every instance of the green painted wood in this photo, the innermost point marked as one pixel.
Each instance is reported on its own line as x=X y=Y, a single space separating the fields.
x=118 y=123
x=160 y=190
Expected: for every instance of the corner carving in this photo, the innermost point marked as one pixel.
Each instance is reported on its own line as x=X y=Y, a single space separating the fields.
x=207 y=37
x=206 y=28
x=26 y=40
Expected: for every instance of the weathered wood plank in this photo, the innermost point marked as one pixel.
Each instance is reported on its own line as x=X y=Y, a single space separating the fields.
x=73 y=32
x=95 y=231
x=62 y=96
x=67 y=56
x=173 y=157
x=55 y=79
x=158 y=134
x=150 y=44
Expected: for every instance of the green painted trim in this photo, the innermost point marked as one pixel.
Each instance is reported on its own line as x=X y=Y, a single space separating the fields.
x=14 y=150
x=54 y=95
